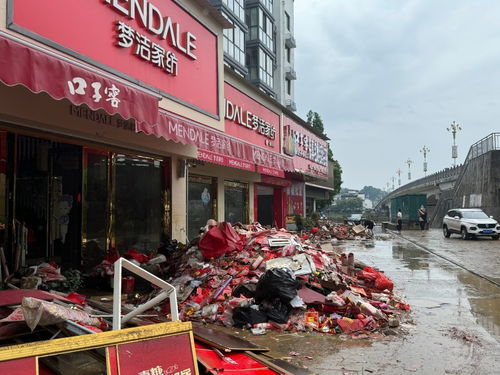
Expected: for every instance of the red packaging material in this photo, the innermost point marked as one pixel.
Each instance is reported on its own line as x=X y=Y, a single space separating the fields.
x=213 y=244
x=314 y=230
x=403 y=306
x=233 y=239
x=77 y=298
x=136 y=255
x=311 y=319
x=128 y=284
x=382 y=282
x=352 y=325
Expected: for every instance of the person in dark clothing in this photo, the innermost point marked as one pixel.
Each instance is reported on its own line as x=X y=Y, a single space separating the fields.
x=422 y=217
x=399 y=220
x=368 y=224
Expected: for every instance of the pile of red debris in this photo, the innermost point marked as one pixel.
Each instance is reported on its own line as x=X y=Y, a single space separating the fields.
x=257 y=278
x=330 y=231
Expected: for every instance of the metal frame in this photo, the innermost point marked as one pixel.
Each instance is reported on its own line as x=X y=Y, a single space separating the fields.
x=167 y=291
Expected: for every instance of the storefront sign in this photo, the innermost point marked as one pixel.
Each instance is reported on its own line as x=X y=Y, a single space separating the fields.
x=130 y=351
x=310 y=153
x=155 y=42
x=249 y=120
x=217 y=145
x=61 y=79
x=101 y=117
x=270 y=171
x=224 y=160
x=275 y=181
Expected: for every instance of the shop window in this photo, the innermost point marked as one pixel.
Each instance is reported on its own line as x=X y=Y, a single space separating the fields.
x=202 y=203
x=235 y=202
x=137 y=211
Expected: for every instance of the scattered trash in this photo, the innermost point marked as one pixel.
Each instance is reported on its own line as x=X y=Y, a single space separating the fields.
x=275 y=277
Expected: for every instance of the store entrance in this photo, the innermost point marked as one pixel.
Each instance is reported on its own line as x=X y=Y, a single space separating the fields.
x=265 y=205
x=202 y=203
x=47 y=191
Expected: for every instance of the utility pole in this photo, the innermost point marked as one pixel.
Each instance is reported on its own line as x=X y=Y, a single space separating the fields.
x=454 y=128
x=398 y=172
x=393 y=179
x=425 y=151
x=409 y=162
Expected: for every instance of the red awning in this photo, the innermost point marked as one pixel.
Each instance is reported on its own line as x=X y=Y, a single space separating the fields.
x=43 y=71
x=215 y=146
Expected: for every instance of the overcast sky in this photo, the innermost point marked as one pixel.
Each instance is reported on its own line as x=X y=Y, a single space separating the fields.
x=389 y=76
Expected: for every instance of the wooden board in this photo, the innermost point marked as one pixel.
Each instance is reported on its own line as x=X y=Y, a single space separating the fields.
x=222 y=340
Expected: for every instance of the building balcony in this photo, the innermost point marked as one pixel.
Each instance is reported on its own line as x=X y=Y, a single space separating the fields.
x=290 y=40
x=290 y=73
x=290 y=104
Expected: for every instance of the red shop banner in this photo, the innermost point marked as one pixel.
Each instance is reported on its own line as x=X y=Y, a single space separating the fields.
x=250 y=121
x=217 y=147
x=155 y=43
x=310 y=152
x=40 y=71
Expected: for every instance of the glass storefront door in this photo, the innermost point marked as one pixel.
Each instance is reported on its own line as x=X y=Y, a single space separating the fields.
x=202 y=203
x=138 y=196
x=47 y=214
x=265 y=204
x=96 y=207
x=235 y=202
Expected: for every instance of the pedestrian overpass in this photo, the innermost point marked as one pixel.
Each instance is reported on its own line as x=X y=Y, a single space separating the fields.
x=475 y=183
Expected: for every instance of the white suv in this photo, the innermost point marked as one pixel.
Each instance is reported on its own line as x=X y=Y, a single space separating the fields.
x=469 y=223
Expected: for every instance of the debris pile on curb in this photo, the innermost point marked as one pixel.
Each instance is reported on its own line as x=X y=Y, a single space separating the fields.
x=257 y=278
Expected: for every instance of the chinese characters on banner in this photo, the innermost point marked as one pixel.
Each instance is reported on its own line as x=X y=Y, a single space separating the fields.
x=146 y=49
x=78 y=86
x=249 y=120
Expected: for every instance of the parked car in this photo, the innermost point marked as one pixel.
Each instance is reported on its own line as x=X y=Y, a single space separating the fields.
x=469 y=223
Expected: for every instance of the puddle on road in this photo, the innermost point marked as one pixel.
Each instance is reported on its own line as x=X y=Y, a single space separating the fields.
x=444 y=299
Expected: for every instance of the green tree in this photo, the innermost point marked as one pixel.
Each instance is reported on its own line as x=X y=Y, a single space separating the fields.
x=349 y=205
x=314 y=119
x=374 y=194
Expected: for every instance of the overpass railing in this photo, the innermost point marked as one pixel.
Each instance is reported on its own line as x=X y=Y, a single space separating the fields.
x=487 y=144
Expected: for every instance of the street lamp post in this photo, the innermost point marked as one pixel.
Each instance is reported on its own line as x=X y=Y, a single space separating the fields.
x=409 y=162
x=454 y=128
x=398 y=172
x=425 y=151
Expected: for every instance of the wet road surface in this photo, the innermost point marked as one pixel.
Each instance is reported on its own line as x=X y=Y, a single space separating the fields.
x=454 y=325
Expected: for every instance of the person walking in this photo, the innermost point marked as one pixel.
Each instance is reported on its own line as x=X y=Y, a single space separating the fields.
x=399 y=220
x=422 y=217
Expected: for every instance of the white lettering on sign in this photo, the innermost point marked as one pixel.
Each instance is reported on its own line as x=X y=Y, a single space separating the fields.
x=151 y=18
x=196 y=136
x=146 y=49
x=78 y=86
x=249 y=120
x=305 y=146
